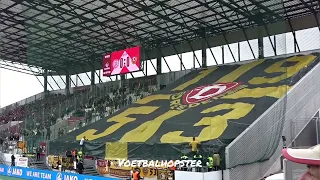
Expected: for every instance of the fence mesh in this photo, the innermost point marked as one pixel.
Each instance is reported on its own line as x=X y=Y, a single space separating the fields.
x=301 y=104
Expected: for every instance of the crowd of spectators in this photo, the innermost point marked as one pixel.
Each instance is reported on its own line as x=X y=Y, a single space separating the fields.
x=19 y=113
x=119 y=97
x=105 y=102
x=39 y=115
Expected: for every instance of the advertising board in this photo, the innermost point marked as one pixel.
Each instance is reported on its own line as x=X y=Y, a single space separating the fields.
x=22 y=162
x=125 y=172
x=183 y=175
x=121 y=173
x=122 y=62
x=102 y=166
x=36 y=174
x=74 y=120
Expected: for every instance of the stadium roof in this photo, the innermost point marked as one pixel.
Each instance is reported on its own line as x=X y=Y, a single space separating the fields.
x=72 y=35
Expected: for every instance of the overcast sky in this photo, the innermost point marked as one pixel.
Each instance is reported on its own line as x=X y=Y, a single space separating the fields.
x=15 y=86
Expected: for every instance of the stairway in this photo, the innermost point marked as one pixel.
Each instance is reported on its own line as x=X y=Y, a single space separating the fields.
x=33 y=163
x=2 y=161
x=90 y=170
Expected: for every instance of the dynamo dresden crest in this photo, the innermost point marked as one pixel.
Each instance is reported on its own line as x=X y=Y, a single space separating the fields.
x=204 y=93
x=208 y=93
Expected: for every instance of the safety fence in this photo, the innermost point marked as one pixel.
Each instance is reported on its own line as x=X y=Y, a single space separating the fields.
x=257 y=142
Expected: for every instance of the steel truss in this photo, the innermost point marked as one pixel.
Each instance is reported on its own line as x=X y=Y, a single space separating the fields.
x=66 y=37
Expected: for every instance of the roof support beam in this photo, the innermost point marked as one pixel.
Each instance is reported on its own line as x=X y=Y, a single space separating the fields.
x=312 y=10
x=3 y=63
x=14 y=69
x=148 y=22
x=259 y=5
x=146 y=8
x=237 y=36
x=58 y=8
x=217 y=13
x=233 y=37
x=79 y=37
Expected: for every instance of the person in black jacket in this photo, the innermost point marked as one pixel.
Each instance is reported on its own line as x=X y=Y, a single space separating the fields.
x=69 y=153
x=13 y=163
x=80 y=167
x=38 y=151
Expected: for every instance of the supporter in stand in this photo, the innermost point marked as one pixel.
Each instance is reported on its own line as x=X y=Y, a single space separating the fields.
x=74 y=154
x=38 y=151
x=194 y=146
x=13 y=159
x=39 y=115
x=61 y=132
x=80 y=166
x=80 y=155
x=210 y=163
x=82 y=143
x=136 y=174
x=69 y=153
x=183 y=158
x=172 y=169
x=216 y=161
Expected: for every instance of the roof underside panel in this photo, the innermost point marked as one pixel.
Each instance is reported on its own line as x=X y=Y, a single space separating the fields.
x=58 y=34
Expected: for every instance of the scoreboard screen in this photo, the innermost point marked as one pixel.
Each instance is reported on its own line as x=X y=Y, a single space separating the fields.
x=122 y=62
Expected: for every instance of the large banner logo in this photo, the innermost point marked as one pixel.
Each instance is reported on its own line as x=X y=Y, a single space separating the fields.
x=12 y=171
x=203 y=93
x=9 y=171
x=204 y=104
x=59 y=176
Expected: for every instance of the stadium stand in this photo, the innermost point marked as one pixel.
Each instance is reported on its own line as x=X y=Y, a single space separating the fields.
x=215 y=105
x=239 y=110
x=79 y=107
x=106 y=101
x=218 y=92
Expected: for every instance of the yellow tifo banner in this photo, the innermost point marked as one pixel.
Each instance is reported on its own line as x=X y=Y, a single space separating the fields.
x=65 y=161
x=155 y=172
x=53 y=160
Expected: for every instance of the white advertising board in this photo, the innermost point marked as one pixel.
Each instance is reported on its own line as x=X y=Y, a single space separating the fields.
x=22 y=162
x=279 y=176
x=187 y=175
